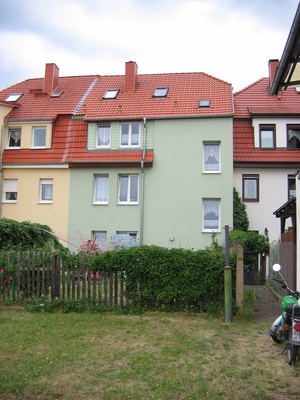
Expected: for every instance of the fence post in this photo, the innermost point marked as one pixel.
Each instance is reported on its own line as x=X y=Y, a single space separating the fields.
x=55 y=277
x=240 y=276
x=227 y=280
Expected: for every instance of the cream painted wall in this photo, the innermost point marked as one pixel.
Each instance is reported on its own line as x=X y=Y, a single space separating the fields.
x=4 y=110
x=27 y=133
x=273 y=193
x=28 y=208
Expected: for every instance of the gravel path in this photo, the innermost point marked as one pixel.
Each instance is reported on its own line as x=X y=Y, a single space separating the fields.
x=269 y=305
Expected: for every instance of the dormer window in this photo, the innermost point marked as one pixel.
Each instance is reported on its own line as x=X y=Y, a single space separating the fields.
x=39 y=136
x=161 y=92
x=14 y=97
x=204 y=103
x=14 y=137
x=111 y=94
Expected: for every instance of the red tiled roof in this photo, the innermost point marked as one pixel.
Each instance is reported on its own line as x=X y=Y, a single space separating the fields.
x=244 y=151
x=185 y=91
x=83 y=95
x=34 y=104
x=255 y=100
x=69 y=140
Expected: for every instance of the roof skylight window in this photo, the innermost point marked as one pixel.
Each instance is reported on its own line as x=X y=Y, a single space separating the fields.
x=204 y=103
x=111 y=94
x=160 y=92
x=14 y=97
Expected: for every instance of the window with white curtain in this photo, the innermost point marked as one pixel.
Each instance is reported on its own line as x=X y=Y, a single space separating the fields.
x=128 y=189
x=211 y=215
x=250 y=187
x=46 y=190
x=10 y=190
x=211 y=157
x=101 y=189
x=103 y=136
x=39 y=137
x=14 y=137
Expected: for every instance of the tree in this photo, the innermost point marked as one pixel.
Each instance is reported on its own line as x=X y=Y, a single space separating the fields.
x=240 y=217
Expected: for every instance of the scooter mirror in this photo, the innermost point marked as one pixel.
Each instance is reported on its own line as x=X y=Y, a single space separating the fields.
x=276 y=267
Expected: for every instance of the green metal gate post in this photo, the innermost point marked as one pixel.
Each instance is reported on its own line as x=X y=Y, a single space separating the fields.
x=227 y=280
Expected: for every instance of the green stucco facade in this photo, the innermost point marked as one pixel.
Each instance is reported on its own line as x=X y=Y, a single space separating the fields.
x=171 y=214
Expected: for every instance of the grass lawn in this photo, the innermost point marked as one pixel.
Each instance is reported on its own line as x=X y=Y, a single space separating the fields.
x=150 y=356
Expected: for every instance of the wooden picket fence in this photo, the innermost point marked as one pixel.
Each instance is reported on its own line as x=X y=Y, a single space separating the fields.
x=37 y=276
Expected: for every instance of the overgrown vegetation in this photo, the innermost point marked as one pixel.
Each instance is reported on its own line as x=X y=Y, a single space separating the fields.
x=20 y=236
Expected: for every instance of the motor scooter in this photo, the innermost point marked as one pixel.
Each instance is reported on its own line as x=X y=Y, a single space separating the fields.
x=287 y=326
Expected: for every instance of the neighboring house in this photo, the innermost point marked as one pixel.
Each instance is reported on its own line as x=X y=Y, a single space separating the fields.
x=287 y=75
x=36 y=131
x=145 y=155
x=266 y=151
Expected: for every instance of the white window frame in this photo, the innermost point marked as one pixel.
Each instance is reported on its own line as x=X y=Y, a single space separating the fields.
x=131 y=179
x=103 y=181
x=106 y=142
x=100 y=239
x=211 y=205
x=35 y=130
x=10 y=188
x=14 y=131
x=211 y=152
x=44 y=182
x=130 y=134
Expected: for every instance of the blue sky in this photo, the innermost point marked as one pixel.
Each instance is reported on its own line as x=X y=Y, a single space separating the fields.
x=232 y=40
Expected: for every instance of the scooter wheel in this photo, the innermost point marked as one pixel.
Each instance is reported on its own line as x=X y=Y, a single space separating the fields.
x=278 y=336
x=292 y=354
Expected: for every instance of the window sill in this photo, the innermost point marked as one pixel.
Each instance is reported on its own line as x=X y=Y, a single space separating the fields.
x=127 y=204
x=45 y=202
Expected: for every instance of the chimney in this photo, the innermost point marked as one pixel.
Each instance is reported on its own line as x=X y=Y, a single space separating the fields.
x=272 y=70
x=131 y=76
x=51 y=78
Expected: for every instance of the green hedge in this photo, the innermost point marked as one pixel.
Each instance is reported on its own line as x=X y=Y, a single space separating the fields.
x=159 y=278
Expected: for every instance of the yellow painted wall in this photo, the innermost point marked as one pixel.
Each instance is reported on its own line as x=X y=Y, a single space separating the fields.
x=28 y=207
x=4 y=110
x=27 y=133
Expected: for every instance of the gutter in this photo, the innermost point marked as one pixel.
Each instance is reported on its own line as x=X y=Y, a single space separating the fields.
x=142 y=208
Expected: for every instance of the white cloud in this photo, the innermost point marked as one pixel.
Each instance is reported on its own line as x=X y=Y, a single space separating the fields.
x=98 y=37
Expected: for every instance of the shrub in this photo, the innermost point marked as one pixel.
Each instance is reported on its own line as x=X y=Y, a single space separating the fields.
x=159 y=278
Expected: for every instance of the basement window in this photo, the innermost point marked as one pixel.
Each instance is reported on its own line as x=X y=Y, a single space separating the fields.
x=204 y=103
x=161 y=92
x=14 y=96
x=111 y=94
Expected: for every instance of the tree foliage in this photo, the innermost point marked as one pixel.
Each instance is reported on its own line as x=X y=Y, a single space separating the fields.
x=251 y=242
x=240 y=217
x=25 y=235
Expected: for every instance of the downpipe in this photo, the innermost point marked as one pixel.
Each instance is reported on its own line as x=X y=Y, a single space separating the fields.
x=142 y=211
